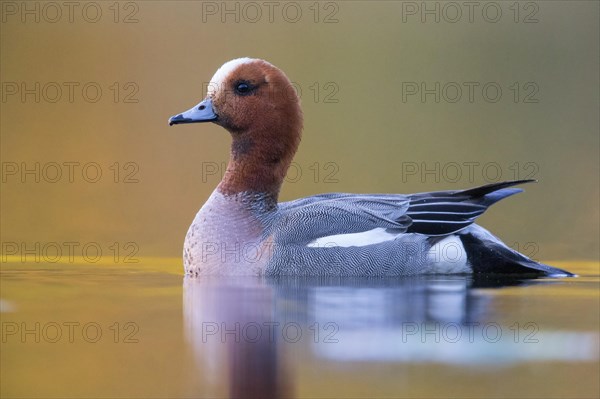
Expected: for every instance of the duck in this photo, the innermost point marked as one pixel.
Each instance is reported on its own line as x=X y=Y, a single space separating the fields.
x=242 y=229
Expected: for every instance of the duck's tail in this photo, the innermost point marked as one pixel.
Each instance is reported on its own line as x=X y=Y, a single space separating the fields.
x=443 y=213
x=488 y=254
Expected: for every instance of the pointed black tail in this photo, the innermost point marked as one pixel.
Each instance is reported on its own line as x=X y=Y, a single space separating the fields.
x=487 y=254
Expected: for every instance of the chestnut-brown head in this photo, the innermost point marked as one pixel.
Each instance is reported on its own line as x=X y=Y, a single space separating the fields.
x=258 y=105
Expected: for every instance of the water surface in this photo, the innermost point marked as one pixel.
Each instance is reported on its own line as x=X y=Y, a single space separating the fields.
x=76 y=330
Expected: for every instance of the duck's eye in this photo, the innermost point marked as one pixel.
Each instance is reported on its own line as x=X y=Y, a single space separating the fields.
x=243 y=88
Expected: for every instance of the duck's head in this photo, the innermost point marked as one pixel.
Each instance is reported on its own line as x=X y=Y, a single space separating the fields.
x=258 y=105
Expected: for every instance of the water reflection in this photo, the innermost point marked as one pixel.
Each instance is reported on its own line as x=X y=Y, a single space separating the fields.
x=249 y=333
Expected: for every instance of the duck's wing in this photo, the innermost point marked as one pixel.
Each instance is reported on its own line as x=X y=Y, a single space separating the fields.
x=446 y=212
x=433 y=214
x=307 y=219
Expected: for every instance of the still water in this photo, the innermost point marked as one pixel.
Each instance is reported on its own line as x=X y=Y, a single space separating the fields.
x=143 y=330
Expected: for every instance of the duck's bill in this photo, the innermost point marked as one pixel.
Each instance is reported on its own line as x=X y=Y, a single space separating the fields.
x=203 y=112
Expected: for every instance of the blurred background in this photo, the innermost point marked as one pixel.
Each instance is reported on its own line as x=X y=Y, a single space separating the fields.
x=97 y=193
x=398 y=97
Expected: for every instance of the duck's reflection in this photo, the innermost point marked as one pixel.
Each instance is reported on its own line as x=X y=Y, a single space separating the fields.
x=250 y=332
x=230 y=324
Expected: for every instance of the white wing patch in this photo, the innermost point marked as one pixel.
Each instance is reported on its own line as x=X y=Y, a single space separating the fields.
x=362 y=239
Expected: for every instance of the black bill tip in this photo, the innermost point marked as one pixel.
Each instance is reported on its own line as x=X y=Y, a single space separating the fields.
x=174 y=120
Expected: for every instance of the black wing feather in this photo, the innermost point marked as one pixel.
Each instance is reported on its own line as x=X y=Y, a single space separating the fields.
x=446 y=212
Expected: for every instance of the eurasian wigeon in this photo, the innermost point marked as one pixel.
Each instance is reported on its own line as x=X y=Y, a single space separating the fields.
x=242 y=229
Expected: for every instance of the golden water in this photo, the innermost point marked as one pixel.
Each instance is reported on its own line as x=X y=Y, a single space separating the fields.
x=166 y=336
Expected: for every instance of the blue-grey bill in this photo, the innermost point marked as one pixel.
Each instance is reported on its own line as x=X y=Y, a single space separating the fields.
x=203 y=112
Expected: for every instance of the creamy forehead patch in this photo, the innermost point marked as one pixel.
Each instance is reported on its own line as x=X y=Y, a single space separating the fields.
x=219 y=77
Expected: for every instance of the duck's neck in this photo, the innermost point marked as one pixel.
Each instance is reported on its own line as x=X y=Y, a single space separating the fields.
x=258 y=163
